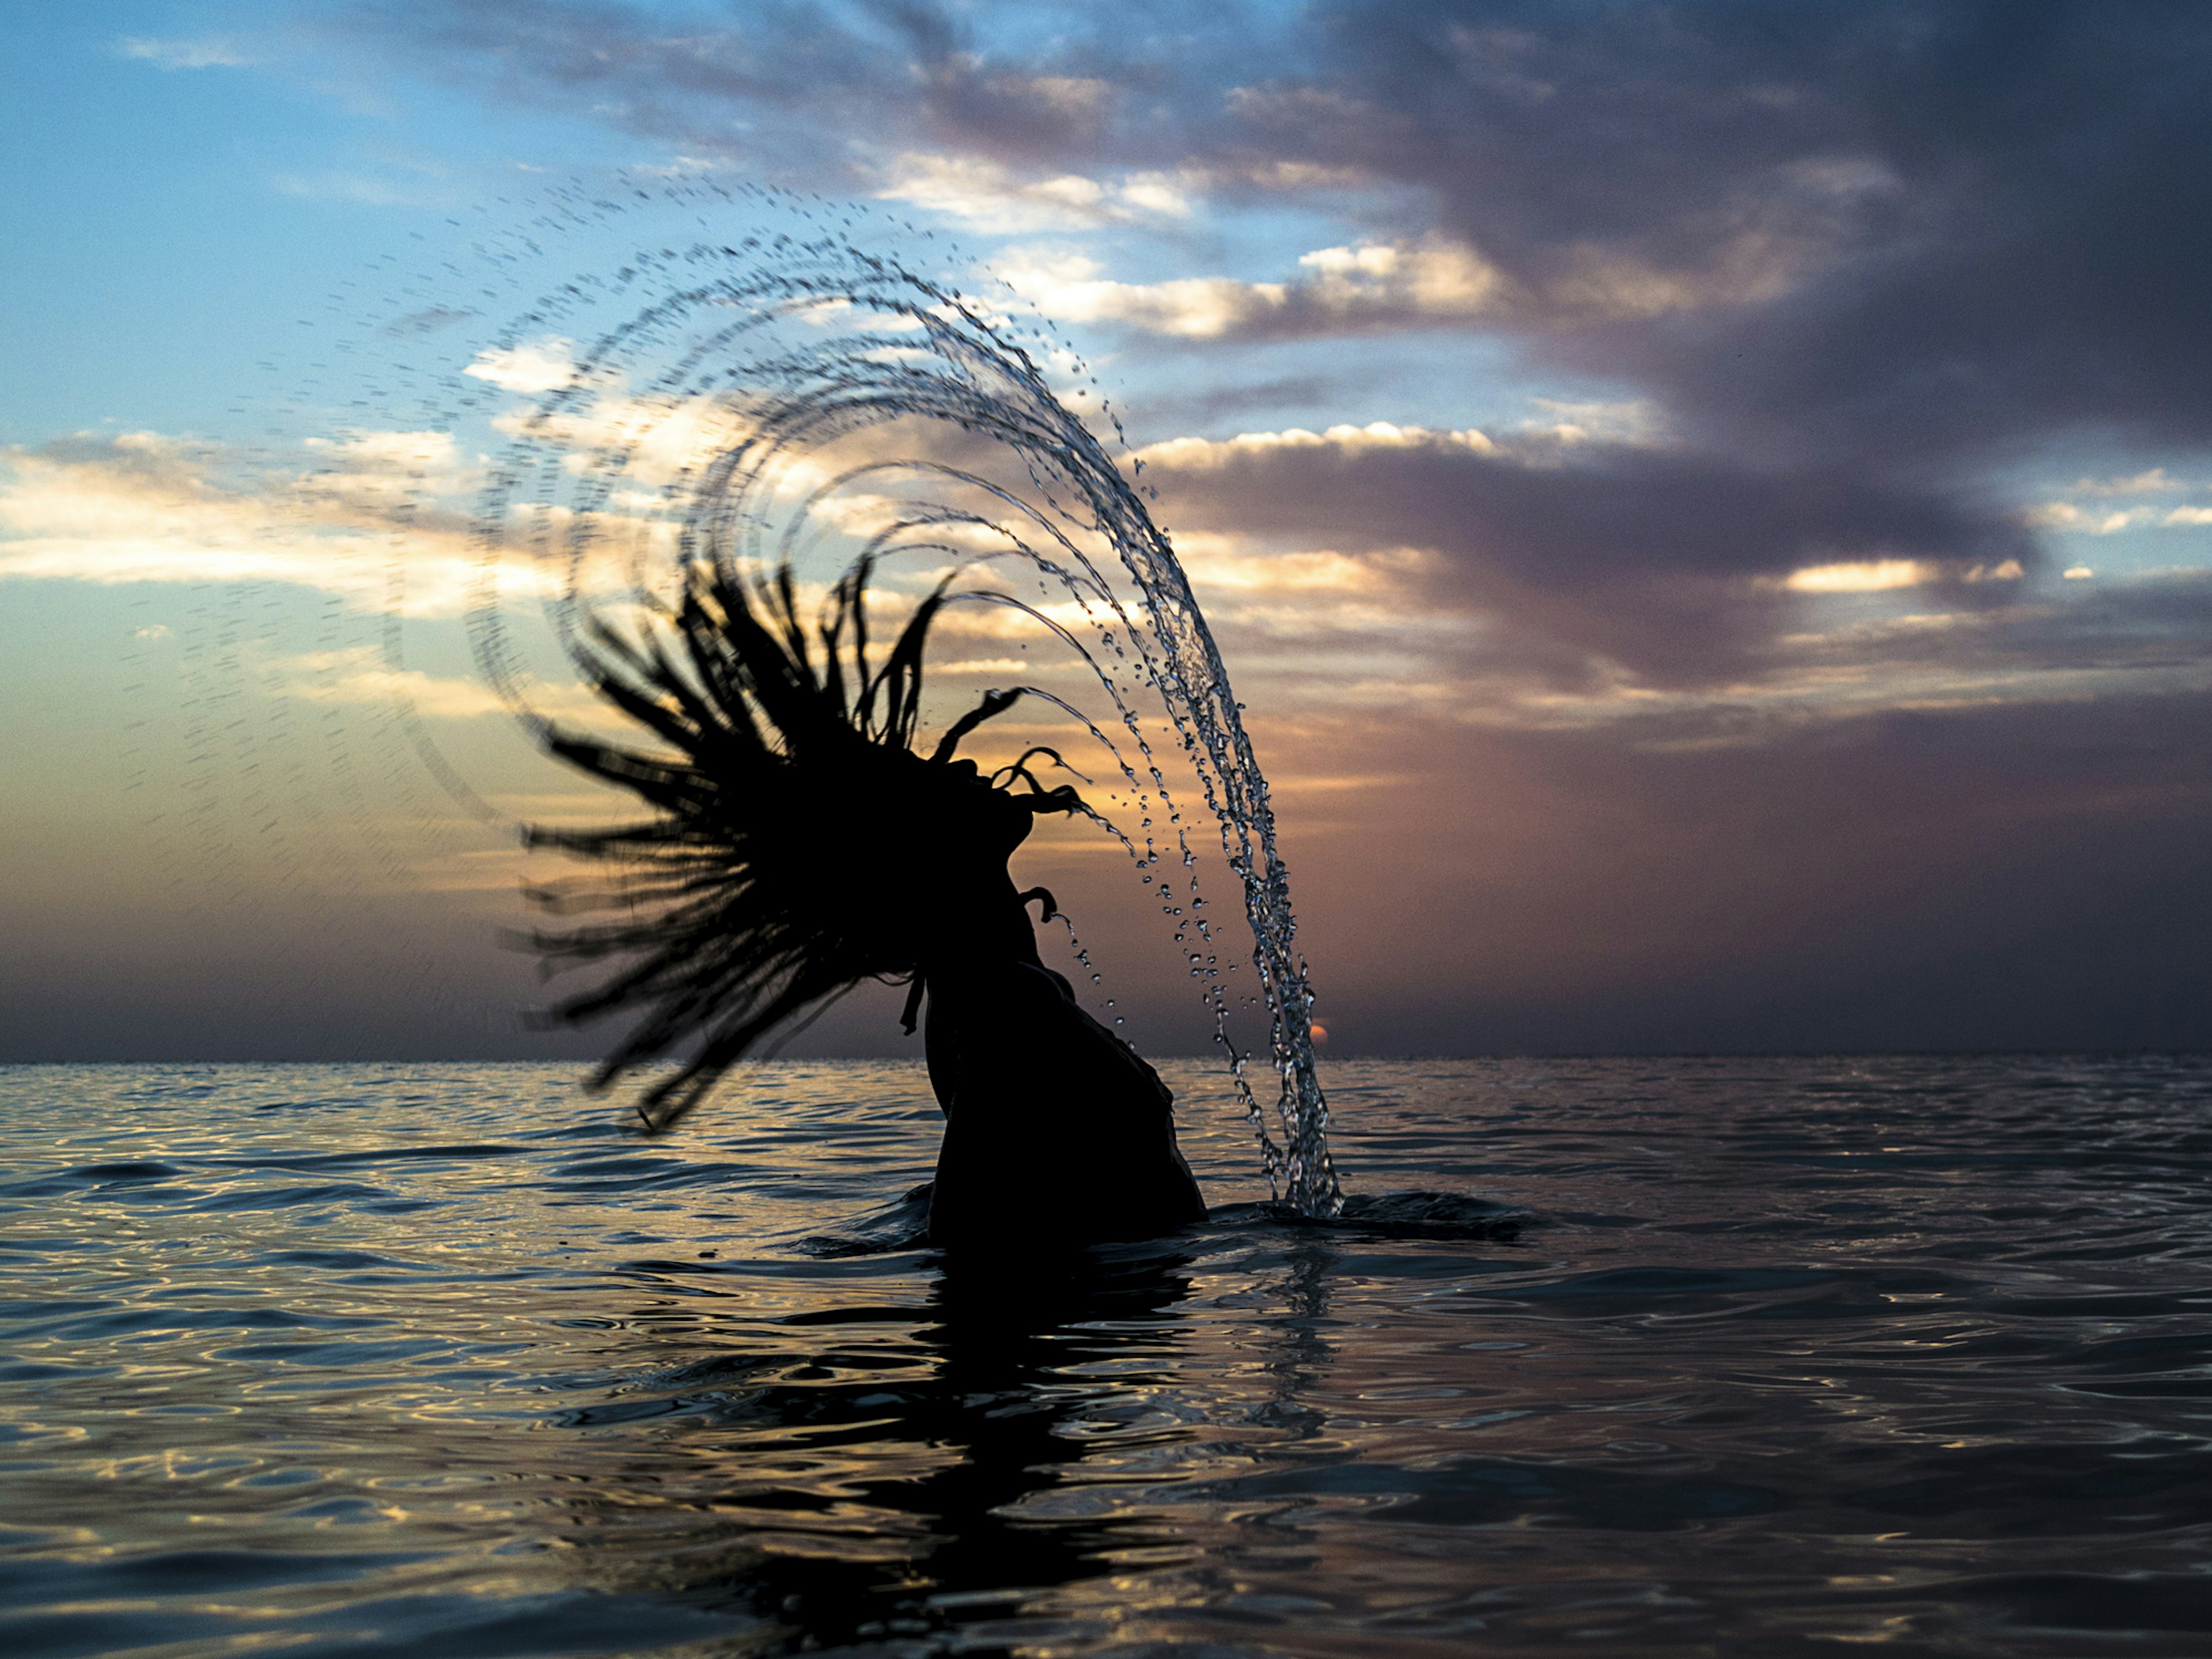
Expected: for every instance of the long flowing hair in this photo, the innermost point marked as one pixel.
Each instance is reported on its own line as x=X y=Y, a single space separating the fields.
x=769 y=879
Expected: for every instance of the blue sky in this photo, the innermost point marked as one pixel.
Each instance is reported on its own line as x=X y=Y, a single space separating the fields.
x=192 y=178
x=1709 y=503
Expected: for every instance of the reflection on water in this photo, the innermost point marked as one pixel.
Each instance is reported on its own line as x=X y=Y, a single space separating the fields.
x=438 y=1360
x=859 y=1487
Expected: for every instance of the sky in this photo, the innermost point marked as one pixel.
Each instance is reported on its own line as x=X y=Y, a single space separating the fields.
x=1708 y=505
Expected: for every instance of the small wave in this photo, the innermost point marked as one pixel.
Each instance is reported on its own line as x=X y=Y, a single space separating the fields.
x=311 y=1161
x=1416 y=1214
x=131 y=1171
x=905 y=1225
x=54 y=1183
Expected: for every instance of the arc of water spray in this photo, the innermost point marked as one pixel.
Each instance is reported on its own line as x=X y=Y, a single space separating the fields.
x=975 y=377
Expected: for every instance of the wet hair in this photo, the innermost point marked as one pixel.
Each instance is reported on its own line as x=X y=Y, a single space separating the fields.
x=799 y=844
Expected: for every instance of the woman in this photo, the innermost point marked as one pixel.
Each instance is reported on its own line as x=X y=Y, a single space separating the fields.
x=800 y=845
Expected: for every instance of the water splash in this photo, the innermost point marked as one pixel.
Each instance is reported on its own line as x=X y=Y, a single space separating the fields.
x=802 y=400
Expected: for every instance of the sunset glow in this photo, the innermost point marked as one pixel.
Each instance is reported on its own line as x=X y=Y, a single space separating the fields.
x=1711 y=524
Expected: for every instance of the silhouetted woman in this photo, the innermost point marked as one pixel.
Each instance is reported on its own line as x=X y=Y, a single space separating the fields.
x=799 y=845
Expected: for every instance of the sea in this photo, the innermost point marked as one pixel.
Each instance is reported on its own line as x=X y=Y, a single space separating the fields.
x=1674 y=1357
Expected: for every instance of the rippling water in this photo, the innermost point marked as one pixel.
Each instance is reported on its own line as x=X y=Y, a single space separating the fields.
x=441 y=1359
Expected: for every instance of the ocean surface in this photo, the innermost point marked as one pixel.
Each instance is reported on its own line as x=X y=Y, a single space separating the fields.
x=1703 y=1357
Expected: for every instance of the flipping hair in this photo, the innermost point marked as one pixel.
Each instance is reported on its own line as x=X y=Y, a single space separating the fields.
x=775 y=872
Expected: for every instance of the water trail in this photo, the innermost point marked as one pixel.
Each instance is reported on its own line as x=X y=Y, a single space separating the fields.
x=804 y=399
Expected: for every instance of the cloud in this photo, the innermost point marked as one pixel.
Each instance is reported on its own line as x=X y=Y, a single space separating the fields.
x=359 y=675
x=1994 y=291
x=812 y=93
x=1523 y=583
x=992 y=198
x=1208 y=454
x=208 y=54
x=2022 y=874
x=382 y=470
x=1660 y=558
x=1733 y=698
x=1339 y=289
x=348 y=187
x=2065 y=515
x=1885 y=575
x=2153 y=482
x=544 y=365
x=145 y=507
x=1889 y=233
x=1870 y=576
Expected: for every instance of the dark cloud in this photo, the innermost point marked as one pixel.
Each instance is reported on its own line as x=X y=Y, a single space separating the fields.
x=1205 y=406
x=1881 y=246
x=1651 y=558
x=1890 y=231
x=2025 y=266
x=2146 y=628
x=1571 y=514
x=1999 y=877
x=795 y=85
x=1859 y=255
x=1898 y=228
x=695 y=81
